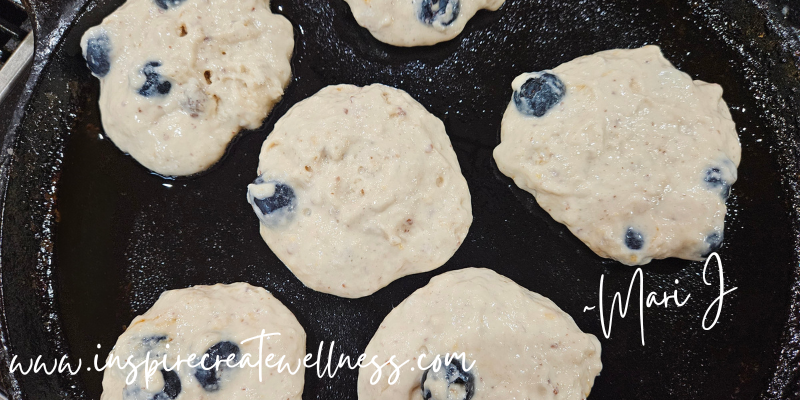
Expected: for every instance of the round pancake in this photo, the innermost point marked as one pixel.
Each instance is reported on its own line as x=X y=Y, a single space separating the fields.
x=519 y=344
x=180 y=78
x=212 y=320
x=359 y=186
x=631 y=154
x=417 y=22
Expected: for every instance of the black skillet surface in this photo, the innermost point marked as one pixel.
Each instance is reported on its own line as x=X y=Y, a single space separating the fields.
x=90 y=238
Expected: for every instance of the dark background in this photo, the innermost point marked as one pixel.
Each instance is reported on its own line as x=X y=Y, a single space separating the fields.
x=90 y=238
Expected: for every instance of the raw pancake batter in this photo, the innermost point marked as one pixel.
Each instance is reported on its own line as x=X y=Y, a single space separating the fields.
x=210 y=320
x=634 y=157
x=179 y=78
x=417 y=22
x=358 y=187
x=522 y=345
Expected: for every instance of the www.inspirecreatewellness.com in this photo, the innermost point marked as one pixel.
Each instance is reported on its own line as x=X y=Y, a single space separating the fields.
x=329 y=368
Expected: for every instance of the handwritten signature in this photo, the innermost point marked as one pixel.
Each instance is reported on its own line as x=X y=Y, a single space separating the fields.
x=653 y=299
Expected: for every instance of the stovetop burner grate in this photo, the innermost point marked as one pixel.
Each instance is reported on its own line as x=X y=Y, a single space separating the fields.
x=14 y=26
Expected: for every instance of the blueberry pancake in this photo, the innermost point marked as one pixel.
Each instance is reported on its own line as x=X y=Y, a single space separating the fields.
x=631 y=154
x=417 y=22
x=516 y=344
x=179 y=78
x=212 y=321
x=359 y=186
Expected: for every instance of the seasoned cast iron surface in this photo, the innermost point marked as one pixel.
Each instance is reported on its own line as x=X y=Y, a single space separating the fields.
x=90 y=238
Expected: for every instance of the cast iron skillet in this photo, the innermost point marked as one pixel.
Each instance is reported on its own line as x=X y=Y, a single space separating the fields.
x=90 y=238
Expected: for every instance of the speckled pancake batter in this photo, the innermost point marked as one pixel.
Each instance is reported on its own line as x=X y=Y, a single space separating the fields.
x=210 y=320
x=631 y=154
x=358 y=187
x=519 y=344
x=417 y=22
x=179 y=78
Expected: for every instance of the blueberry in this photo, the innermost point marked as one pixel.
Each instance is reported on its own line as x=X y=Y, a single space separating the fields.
x=453 y=376
x=172 y=384
x=153 y=345
x=150 y=341
x=634 y=239
x=714 y=242
x=273 y=202
x=154 y=84
x=433 y=11
x=715 y=180
x=539 y=94
x=97 y=54
x=166 y=4
x=208 y=376
x=171 y=390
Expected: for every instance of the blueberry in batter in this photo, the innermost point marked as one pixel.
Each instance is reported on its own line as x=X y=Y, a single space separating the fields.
x=171 y=390
x=453 y=376
x=273 y=207
x=151 y=341
x=97 y=54
x=715 y=181
x=431 y=11
x=634 y=239
x=167 y=4
x=155 y=84
x=539 y=94
x=172 y=384
x=714 y=242
x=209 y=377
x=283 y=197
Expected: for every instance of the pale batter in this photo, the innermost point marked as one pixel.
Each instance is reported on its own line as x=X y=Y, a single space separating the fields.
x=520 y=344
x=358 y=187
x=631 y=154
x=179 y=78
x=210 y=320
x=417 y=22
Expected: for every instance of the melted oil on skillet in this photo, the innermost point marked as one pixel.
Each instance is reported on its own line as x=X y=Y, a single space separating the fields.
x=124 y=235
